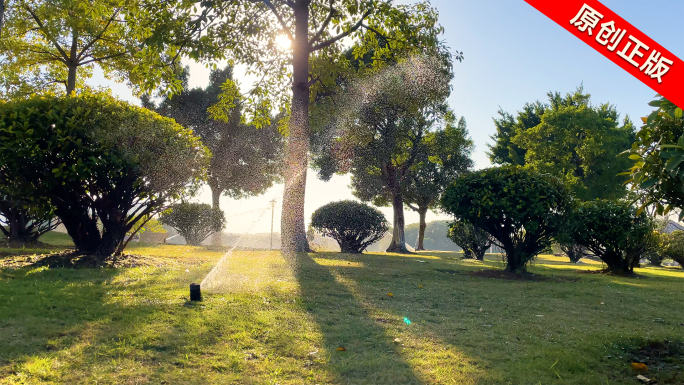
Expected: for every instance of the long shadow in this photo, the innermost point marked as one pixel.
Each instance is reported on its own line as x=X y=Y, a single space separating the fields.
x=96 y=320
x=497 y=322
x=360 y=350
x=42 y=310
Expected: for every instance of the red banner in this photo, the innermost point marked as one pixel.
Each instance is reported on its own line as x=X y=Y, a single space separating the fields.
x=620 y=42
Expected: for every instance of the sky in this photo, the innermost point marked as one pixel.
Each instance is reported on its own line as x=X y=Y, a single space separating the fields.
x=513 y=55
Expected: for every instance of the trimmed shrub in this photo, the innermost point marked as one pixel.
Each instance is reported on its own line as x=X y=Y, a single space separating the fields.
x=673 y=247
x=614 y=232
x=573 y=251
x=473 y=240
x=521 y=209
x=103 y=164
x=194 y=221
x=353 y=225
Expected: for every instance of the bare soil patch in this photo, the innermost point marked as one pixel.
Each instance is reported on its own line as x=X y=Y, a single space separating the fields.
x=74 y=260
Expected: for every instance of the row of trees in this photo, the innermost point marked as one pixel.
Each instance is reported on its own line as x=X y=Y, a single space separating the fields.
x=55 y=45
x=525 y=212
x=398 y=139
x=553 y=188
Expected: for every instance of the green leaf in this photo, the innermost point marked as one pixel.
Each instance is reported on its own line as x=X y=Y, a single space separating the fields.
x=673 y=163
x=649 y=183
x=678 y=113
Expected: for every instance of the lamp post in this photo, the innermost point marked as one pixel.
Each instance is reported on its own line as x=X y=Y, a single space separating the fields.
x=273 y=202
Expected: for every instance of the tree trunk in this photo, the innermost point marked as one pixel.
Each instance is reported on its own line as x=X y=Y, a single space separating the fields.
x=215 y=197
x=73 y=63
x=2 y=15
x=112 y=236
x=398 y=244
x=81 y=228
x=71 y=80
x=515 y=262
x=19 y=229
x=296 y=155
x=422 y=211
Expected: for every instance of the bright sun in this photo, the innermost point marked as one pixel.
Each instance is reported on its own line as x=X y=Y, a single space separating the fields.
x=283 y=42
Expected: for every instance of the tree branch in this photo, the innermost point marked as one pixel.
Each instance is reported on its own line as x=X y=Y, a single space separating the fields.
x=98 y=59
x=90 y=44
x=45 y=32
x=280 y=19
x=324 y=25
x=414 y=208
x=351 y=30
x=375 y=31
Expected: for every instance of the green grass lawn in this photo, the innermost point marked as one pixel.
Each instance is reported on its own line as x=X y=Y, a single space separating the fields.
x=268 y=323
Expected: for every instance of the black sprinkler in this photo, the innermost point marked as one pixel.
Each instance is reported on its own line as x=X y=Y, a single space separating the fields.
x=195 y=293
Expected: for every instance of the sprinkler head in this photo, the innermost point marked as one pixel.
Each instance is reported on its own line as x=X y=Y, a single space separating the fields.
x=195 y=293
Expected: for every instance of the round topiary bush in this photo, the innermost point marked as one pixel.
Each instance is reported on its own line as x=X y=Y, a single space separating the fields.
x=353 y=225
x=521 y=209
x=473 y=240
x=615 y=232
x=194 y=221
x=102 y=163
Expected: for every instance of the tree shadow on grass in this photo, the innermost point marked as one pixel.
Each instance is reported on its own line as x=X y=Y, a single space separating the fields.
x=43 y=310
x=360 y=350
x=78 y=325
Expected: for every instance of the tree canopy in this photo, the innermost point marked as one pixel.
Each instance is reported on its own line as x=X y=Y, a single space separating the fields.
x=246 y=161
x=571 y=139
x=657 y=173
x=319 y=32
x=55 y=45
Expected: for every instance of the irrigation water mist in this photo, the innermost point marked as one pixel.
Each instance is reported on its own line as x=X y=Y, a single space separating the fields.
x=412 y=81
x=216 y=279
x=408 y=82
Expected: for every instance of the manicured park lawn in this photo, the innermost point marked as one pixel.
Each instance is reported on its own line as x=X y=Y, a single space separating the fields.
x=269 y=323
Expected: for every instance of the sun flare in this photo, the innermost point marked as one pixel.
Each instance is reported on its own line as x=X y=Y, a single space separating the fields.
x=283 y=42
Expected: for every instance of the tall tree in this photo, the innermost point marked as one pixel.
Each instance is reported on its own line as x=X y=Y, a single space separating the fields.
x=504 y=151
x=447 y=157
x=381 y=133
x=571 y=139
x=246 y=162
x=55 y=45
x=579 y=143
x=316 y=30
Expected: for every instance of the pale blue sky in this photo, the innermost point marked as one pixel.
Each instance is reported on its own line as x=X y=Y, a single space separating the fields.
x=513 y=55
